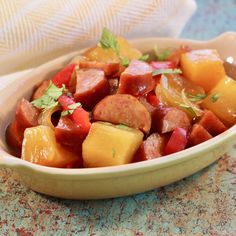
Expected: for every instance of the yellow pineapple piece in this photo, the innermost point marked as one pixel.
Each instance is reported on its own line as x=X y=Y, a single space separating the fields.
x=126 y=51
x=110 y=145
x=40 y=147
x=203 y=67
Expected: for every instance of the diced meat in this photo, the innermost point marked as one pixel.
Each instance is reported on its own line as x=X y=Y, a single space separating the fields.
x=123 y=109
x=153 y=99
x=166 y=119
x=198 y=135
x=14 y=137
x=114 y=84
x=26 y=117
x=91 y=87
x=68 y=133
x=26 y=114
x=148 y=106
x=39 y=92
x=109 y=69
x=151 y=148
x=136 y=79
x=177 y=142
x=212 y=123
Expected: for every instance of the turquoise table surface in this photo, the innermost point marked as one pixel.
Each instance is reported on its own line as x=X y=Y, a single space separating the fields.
x=202 y=204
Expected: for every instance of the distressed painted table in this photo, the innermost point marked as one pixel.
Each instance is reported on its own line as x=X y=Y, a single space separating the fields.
x=203 y=204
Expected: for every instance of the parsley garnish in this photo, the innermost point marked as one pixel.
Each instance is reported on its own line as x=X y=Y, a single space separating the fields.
x=49 y=99
x=108 y=40
x=188 y=108
x=144 y=57
x=125 y=62
x=166 y=71
x=71 y=109
x=161 y=56
x=196 y=98
x=215 y=97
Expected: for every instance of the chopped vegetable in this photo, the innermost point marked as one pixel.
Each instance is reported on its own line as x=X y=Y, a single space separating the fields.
x=215 y=97
x=221 y=100
x=161 y=55
x=144 y=57
x=63 y=77
x=49 y=99
x=109 y=145
x=40 y=147
x=203 y=67
x=108 y=40
x=166 y=71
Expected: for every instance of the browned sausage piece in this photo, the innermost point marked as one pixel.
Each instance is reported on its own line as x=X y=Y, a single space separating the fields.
x=123 y=109
x=151 y=148
x=136 y=79
x=91 y=87
x=26 y=114
x=109 y=69
x=166 y=119
x=14 y=138
x=39 y=92
x=198 y=135
x=212 y=123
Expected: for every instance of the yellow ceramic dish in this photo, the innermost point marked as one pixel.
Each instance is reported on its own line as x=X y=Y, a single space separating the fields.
x=106 y=182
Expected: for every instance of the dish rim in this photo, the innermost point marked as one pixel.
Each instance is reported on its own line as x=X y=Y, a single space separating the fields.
x=8 y=160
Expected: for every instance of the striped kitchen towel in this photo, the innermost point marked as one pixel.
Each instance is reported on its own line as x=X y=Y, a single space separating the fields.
x=35 y=31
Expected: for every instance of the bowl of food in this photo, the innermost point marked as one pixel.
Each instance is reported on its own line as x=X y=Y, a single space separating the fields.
x=120 y=118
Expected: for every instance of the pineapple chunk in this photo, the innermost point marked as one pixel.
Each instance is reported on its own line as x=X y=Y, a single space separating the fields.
x=40 y=147
x=110 y=145
x=203 y=67
x=126 y=51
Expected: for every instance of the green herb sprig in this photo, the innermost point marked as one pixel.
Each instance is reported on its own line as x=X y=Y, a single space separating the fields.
x=71 y=109
x=49 y=99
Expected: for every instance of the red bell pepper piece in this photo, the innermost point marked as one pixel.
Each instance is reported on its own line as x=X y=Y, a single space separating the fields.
x=162 y=65
x=64 y=76
x=79 y=115
x=65 y=101
x=177 y=142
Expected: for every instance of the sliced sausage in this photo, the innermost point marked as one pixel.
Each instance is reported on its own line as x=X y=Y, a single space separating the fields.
x=14 y=138
x=91 y=87
x=109 y=69
x=151 y=148
x=123 y=109
x=26 y=114
x=198 y=135
x=166 y=119
x=136 y=79
x=26 y=117
x=39 y=92
x=212 y=123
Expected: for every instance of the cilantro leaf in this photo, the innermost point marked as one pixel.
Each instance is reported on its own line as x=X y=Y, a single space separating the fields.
x=188 y=108
x=71 y=109
x=161 y=56
x=53 y=91
x=49 y=99
x=196 y=98
x=125 y=62
x=215 y=97
x=144 y=57
x=166 y=71
x=108 y=40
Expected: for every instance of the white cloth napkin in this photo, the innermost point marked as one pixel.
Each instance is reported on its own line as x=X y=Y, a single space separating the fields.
x=35 y=31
